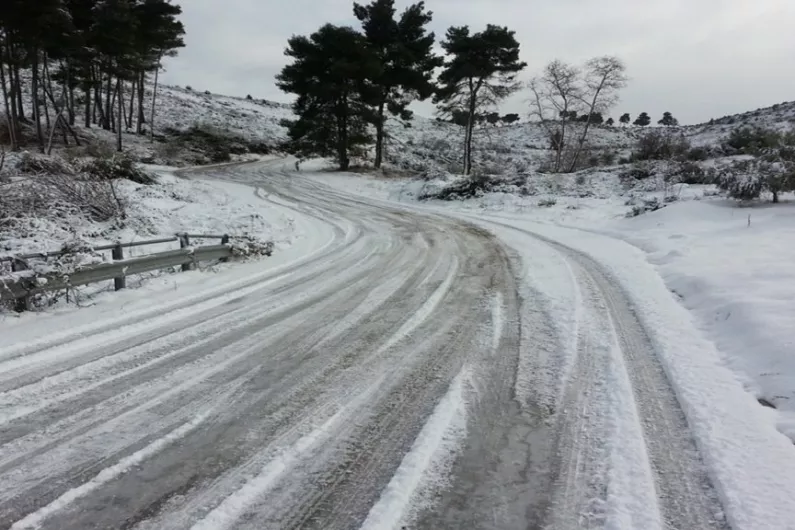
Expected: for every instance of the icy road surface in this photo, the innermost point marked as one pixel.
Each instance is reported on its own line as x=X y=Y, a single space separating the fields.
x=397 y=375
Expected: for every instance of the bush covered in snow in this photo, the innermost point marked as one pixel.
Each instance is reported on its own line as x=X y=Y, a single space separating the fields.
x=647 y=205
x=757 y=140
x=745 y=180
x=202 y=143
x=246 y=247
x=660 y=145
x=117 y=167
x=687 y=172
x=477 y=185
x=752 y=140
x=33 y=164
x=465 y=188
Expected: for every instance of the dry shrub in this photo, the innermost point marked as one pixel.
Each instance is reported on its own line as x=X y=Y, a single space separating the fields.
x=117 y=167
x=97 y=199
x=53 y=194
x=31 y=164
x=246 y=247
x=99 y=149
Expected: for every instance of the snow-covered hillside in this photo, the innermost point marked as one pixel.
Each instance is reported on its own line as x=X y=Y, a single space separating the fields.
x=779 y=117
x=427 y=145
x=182 y=108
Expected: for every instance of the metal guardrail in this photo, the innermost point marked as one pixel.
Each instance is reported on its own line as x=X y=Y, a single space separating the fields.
x=22 y=289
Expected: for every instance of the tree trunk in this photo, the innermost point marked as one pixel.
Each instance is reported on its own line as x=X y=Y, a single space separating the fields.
x=114 y=120
x=154 y=101
x=119 y=119
x=379 y=137
x=70 y=90
x=584 y=134
x=108 y=103
x=99 y=111
x=34 y=94
x=59 y=119
x=46 y=84
x=9 y=119
x=132 y=104
x=342 y=134
x=562 y=144
x=87 y=94
x=52 y=131
x=58 y=107
x=19 y=103
x=473 y=101
x=141 y=119
x=580 y=145
x=775 y=197
x=63 y=123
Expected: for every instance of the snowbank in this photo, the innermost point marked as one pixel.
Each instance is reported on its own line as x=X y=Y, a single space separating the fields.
x=732 y=267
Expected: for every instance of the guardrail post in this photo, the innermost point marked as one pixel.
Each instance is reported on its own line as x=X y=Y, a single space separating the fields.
x=119 y=282
x=20 y=304
x=225 y=241
x=184 y=242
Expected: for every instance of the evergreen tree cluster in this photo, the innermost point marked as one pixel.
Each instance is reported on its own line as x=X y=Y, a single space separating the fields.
x=347 y=81
x=83 y=58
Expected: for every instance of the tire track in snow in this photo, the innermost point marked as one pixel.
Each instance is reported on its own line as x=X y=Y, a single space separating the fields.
x=234 y=507
x=379 y=293
x=417 y=334
x=646 y=410
x=35 y=519
x=344 y=385
x=56 y=357
x=426 y=465
x=32 y=398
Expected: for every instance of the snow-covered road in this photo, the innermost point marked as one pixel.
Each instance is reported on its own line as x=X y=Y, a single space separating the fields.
x=400 y=372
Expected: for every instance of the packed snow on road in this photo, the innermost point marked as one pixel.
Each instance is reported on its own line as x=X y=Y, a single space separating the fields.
x=400 y=364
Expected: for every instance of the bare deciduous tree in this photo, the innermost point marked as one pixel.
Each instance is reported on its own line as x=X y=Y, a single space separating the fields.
x=563 y=91
x=604 y=78
x=557 y=94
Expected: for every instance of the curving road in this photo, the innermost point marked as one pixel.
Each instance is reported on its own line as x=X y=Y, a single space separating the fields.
x=374 y=385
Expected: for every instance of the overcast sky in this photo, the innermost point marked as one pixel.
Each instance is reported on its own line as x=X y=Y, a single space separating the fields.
x=698 y=59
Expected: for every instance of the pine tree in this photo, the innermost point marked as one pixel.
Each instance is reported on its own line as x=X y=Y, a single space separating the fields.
x=99 y=46
x=643 y=120
x=30 y=30
x=159 y=34
x=510 y=118
x=668 y=120
x=330 y=74
x=480 y=71
x=403 y=51
x=595 y=119
x=625 y=119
